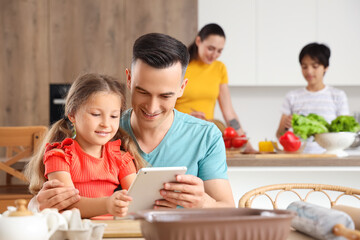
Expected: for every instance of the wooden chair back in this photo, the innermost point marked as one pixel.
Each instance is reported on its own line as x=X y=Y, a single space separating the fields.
x=247 y=199
x=20 y=143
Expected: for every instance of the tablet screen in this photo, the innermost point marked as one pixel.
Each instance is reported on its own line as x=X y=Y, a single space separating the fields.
x=145 y=189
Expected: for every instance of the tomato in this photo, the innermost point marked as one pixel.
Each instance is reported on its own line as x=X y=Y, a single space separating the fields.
x=227 y=142
x=230 y=132
x=290 y=142
x=238 y=142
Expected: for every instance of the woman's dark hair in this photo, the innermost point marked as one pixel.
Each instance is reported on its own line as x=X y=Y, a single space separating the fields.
x=207 y=30
x=318 y=52
x=160 y=51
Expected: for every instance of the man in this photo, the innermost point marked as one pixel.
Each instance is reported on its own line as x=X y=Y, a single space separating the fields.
x=166 y=137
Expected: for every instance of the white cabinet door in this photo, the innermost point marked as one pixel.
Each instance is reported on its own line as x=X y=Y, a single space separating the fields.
x=284 y=27
x=237 y=18
x=339 y=28
x=265 y=37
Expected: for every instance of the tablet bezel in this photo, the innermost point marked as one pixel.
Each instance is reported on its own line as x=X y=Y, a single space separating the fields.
x=145 y=189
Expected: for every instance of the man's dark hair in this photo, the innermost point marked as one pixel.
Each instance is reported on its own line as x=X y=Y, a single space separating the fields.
x=317 y=52
x=160 y=51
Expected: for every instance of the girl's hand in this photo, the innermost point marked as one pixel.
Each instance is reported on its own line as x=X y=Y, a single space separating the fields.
x=117 y=204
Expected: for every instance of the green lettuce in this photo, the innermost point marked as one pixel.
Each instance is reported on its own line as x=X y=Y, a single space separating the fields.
x=319 y=119
x=305 y=127
x=344 y=124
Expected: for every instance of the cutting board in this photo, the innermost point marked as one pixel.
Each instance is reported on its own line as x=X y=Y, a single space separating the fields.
x=121 y=228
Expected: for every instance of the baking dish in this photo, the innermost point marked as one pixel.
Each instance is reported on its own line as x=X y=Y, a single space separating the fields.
x=215 y=224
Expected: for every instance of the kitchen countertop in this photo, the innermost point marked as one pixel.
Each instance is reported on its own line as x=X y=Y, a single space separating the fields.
x=236 y=159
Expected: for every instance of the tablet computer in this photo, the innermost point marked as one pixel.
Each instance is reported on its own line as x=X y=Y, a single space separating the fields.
x=145 y=189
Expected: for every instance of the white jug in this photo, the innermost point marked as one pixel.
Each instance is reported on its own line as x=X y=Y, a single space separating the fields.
x=22 y=224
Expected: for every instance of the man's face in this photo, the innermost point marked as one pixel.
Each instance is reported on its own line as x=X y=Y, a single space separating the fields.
x=154 y=92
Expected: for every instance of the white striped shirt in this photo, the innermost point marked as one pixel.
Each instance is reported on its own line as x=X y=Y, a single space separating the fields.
x=329 y=103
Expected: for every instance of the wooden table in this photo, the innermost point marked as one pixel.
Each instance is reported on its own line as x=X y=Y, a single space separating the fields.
x=130 y=230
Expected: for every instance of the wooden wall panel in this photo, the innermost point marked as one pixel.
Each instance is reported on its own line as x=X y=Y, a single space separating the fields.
x=52 y=41
x=24 y=71
x=172 y=17
x=85 y=36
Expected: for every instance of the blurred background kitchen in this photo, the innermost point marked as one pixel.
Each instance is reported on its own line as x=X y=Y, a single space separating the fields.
x=46 y=44
x=49 y=42
x=264 y=39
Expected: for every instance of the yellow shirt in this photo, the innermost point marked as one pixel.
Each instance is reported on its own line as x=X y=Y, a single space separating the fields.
x=203 y=87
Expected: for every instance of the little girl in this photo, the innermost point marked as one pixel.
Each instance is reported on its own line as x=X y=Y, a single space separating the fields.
x=86 y=149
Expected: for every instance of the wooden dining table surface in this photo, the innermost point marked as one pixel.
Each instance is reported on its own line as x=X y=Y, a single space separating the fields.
x=127 y=229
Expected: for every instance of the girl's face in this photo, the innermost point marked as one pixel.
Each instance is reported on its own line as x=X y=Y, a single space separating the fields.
x=210 y=48
x=312 y=71
x=97 y=121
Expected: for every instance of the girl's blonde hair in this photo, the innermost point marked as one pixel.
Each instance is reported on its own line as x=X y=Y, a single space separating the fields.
x=80 y=91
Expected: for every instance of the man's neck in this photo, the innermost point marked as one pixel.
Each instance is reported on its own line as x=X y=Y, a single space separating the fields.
x=149 y=137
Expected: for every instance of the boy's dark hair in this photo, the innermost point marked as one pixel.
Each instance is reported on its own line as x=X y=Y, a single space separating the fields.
x=160 y=51
x=207 y=30
x=318 y=52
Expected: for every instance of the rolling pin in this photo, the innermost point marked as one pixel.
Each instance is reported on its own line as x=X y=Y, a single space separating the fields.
x=318 y=221
x=353 y=212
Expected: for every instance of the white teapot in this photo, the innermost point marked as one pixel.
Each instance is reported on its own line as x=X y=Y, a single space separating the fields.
x=23 y=224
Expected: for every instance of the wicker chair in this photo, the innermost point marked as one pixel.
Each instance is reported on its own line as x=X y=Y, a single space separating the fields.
x=247 y=199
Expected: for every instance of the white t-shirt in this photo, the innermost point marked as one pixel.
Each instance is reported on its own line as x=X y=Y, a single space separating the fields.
x=329 y=103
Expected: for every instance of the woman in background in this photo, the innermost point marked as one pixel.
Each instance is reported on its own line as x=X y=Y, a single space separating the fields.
x=316 y=97
x=208 y=80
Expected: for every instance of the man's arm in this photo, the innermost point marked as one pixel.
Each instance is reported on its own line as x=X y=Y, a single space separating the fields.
x=191 y=192
x=54 y=195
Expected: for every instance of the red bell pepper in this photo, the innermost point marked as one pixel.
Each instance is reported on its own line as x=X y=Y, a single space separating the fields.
x=290 y=142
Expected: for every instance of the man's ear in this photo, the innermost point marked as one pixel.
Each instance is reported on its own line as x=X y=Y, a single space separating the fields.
x=128 y=78
x=182 y=87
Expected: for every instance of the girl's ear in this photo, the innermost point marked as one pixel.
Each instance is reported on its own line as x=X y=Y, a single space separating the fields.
x=128 y=78
x=71 y=118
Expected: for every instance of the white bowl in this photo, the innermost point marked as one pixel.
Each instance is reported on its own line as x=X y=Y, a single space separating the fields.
x=335 y=142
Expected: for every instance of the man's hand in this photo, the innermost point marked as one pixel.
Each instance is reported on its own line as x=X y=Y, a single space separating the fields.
x=164 y=204
x=54 y=195
x=187 y=192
